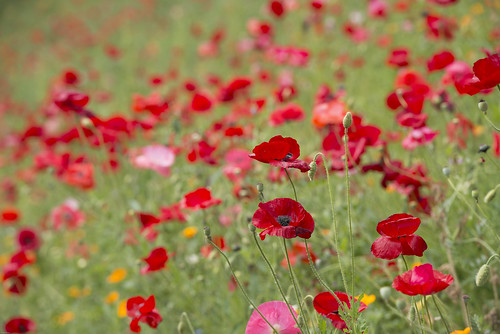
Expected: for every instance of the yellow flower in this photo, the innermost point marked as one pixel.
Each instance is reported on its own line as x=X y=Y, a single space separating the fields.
x=190 y=232
x=4 y=259
x=465 y=331
x=122 y=309
x=65 y=317
x=117 y=275
x=416 y=264
x=86 y=291
x=477 y=9
x=112 y=297
x=74 y=292
x=368 y=299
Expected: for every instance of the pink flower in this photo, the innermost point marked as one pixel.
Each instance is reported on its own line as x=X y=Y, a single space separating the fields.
x=278 y=314
x=419 y=137
x=67 y=214
x=156 y=157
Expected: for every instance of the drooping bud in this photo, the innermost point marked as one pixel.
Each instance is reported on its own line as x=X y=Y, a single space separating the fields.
x=446 y=171
x=385 y=292
x=347 y=120
x=483 y=106
x=490 y=195
x=482 y=275
x=311 y=172
x=260 y=189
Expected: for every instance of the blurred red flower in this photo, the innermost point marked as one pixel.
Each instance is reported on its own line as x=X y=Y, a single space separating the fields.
x=142 y=310
x=280 y=152
x=398 y=238
x=487 y=74
x=156 y=260
x=283 y=217
x=290 y=112
x=201 y=198
x=440 y=60
x=19 y=325
x=80 y=175
x=326 y=304
x=421 y=280
x=28 y=239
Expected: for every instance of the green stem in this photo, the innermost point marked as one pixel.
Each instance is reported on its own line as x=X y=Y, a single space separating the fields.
x=275 y=277
x=294 y=282
x=239 y=284
x=404 y=260
x=441 y=314
x=185 y=317
x=491 y=123
x=291 y=182
x=349 y=208
x=334 y=218
x=427 y=311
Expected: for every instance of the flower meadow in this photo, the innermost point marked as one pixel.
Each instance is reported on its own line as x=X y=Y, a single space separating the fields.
x=274 y=166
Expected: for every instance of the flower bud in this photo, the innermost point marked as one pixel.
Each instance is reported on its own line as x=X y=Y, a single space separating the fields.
x=482 y=275
x=412 y=315
x=206 y=230
x=260 y=187
x=466 y=299
x=475 y=194
x=483 y=148
x=385 y=292
x=474 y=324
x=347 y=120
x=252 y=228
x=86 y=123
x=490 y=195
x=400 y=304
x=483 y=106
x=446 y=171
x=311 y=172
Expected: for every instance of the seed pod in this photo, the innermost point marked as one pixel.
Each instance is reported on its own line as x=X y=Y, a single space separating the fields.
x=446 y=171
x=475 y=194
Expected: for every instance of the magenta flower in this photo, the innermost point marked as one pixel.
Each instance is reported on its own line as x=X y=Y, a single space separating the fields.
x=156 y=157
x=278 y=315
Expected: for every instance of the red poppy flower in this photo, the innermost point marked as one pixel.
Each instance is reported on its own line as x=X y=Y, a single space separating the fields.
x=71 y=101
x=280 y=152
x=290 y=112
x=19 y=325
x=13 y=280
x=9 y=215
x=199 y=199
x=200 y=103
x=399 y=57
x=28 y=239
x=398 y=238
x=142 y=310
x=487 y=72
x=80 y=175
x=440 y=60
x=325 y=303
x=156 y=260
x=283 y=217
x=421 y=280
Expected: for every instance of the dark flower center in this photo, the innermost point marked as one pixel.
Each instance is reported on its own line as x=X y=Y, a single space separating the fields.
x=284 y=220
x=287 y=157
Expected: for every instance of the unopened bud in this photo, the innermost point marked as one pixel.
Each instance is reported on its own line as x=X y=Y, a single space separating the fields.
x=86 y=123
x=465 y=298
x=385 y=292
x=482 y=275
x=483 y=106
x=260 y=187
x=206 y=230
x=412 y=315
x=490 y=195
x=446 y=171
x=347 y=120
x=252 y=228
x=311 y=172
x=475 y=194
x=483 y=148
x=400 y=304
x=474 y=324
